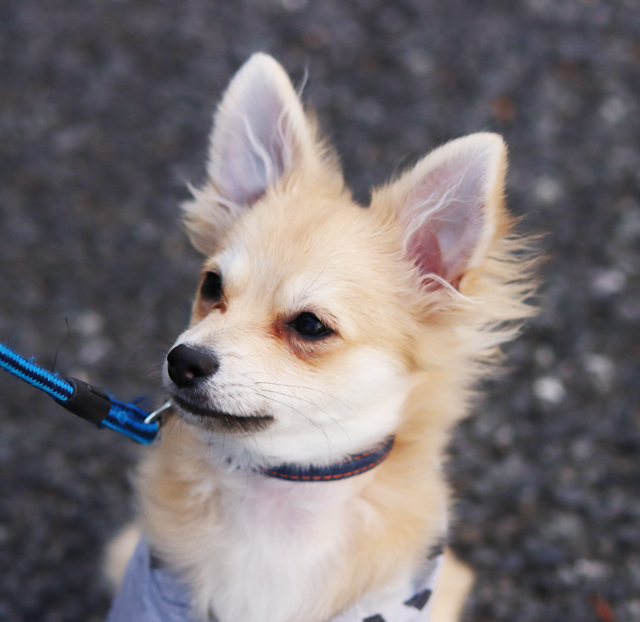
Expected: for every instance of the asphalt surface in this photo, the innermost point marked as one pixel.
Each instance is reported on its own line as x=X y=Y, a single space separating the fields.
x=105 y=107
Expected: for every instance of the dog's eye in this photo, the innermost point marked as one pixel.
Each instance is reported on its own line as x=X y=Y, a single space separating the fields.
x=309 y=327
x=211 y=288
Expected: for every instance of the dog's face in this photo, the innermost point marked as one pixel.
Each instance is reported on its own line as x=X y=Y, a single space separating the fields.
x=302 y=340
x=299 y=308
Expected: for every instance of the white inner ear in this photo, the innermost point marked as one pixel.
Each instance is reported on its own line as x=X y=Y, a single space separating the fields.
x=260 y=132
x=448 y=215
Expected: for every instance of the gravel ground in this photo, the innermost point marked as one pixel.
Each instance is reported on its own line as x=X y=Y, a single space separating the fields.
x=105 y=108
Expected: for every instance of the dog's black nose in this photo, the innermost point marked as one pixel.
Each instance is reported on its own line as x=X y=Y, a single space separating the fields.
x=186 y=365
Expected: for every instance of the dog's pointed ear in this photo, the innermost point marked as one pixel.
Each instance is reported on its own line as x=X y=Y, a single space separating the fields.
x=447 y=207
x=260 y=134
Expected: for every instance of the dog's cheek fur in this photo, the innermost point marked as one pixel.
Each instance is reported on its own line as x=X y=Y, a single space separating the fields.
x=346 y=399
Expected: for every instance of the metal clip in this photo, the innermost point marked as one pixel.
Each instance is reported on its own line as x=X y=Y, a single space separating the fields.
x=157 y=412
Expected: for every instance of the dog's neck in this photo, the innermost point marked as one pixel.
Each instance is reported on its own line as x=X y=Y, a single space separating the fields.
x=271 y=449
x=230 y=455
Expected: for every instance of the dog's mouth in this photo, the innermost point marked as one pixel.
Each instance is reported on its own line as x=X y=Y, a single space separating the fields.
x=220 y=421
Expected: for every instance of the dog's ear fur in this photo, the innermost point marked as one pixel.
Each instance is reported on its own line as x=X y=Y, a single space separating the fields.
x=260 y=135
x=447 y=207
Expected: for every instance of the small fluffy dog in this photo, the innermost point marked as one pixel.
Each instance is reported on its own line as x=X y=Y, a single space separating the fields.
x=331 y=349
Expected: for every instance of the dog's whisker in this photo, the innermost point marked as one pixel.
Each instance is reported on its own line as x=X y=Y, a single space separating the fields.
x=307 y=388
x=322 y=410
x=305 y=416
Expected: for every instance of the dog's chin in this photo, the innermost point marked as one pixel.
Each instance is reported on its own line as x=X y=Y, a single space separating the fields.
x=215 y=420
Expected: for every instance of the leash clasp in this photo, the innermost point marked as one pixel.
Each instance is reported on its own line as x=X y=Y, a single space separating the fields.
x=87 y=401
x=156 y=413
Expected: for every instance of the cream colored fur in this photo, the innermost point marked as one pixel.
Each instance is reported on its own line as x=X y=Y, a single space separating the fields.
x=420 y=289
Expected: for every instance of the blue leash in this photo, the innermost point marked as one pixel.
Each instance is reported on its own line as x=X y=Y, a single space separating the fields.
x=84 y=400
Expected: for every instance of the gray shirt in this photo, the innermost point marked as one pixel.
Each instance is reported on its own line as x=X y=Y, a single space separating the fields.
x=154 y=594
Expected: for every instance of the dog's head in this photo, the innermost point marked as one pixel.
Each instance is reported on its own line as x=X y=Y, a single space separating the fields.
x=314 y=315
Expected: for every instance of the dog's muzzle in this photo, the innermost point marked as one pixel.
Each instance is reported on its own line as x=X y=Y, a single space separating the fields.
x=189 y=368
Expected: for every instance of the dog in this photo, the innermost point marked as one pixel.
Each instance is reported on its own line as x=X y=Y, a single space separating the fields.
x=332 y=348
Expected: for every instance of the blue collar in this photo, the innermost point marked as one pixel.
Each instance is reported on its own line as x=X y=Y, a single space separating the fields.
x=350 y=466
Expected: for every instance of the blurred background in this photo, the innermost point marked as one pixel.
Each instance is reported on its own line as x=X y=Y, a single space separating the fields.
x=105 y=109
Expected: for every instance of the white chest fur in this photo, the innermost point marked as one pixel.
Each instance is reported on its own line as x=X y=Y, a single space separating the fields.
x=275 y=543
x=254 y=548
